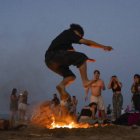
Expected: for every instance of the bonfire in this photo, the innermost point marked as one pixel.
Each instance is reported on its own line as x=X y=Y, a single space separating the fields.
x=49 y=116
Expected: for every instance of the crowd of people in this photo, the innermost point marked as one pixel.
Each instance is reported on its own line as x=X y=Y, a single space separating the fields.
x=59 y=56
x=95 y=110
x=117 y=98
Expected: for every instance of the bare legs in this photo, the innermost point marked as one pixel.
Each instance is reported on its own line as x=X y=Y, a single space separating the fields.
x=13 y=116
x=68 y=80
x=61 y=87
x=83 y=73
x=22 y=114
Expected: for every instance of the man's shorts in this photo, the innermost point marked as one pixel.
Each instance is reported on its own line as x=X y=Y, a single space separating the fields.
x=99 y=101
x=60 y=61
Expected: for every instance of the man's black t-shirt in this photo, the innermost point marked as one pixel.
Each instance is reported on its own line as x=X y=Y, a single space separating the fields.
x=64 y=41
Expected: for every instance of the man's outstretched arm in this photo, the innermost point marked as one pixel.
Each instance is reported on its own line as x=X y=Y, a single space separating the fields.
x=94 y=44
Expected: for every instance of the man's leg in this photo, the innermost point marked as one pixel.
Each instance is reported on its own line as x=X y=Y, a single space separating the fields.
x=64 y=96
x=102 y=108
x=83 y=72
x=62 y=85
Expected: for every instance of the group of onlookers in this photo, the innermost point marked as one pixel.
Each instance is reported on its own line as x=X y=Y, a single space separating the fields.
x=97 y=103
x=18 y=106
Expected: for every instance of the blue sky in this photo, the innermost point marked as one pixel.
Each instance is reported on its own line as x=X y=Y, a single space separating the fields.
x=27 y=28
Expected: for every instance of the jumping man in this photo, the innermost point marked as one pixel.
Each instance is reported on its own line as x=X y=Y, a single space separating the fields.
x=61 y=54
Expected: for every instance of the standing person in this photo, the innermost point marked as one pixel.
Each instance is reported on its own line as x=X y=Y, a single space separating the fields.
x=117 y=98
x=135 y=89
x=13 y=107
x=74 y=104
x=97 y=86
x=55 y=107
x=55 y=100
x=22 y=107
x=61 y=54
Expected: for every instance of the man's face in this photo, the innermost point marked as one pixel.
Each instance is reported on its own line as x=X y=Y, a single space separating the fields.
x=77 y=33
x=136 y=79
x=96 y=75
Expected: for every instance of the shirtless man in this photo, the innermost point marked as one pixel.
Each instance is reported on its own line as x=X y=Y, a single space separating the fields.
x=97 y=86
x=61 y=55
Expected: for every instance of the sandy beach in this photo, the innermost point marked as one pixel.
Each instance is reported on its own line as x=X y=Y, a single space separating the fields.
x=113 y=132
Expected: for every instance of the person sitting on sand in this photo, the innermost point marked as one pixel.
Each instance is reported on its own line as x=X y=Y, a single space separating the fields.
x=87 y=114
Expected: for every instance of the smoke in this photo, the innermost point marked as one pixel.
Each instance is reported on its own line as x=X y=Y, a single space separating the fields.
x=22 y=66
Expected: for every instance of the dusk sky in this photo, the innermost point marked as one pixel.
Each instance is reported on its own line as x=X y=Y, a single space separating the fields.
x=27 y=28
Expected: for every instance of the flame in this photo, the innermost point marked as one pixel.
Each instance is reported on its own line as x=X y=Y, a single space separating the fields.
x=70 y=125
x=49 y=117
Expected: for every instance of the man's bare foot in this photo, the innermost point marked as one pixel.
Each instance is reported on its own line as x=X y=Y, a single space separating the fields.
x=63 y=94
x=87 y=84
x=91 y=60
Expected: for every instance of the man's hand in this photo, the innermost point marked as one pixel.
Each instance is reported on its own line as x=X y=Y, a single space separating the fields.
x=91 y=60
x=108 y=48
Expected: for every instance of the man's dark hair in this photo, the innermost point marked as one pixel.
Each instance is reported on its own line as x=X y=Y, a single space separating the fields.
x=114 y=76
x=97 y=71
x=78 y=28
x=14 y=90
x=93 y=103
x=136 y=75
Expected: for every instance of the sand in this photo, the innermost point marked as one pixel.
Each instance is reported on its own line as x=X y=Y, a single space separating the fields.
x=114 y=132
